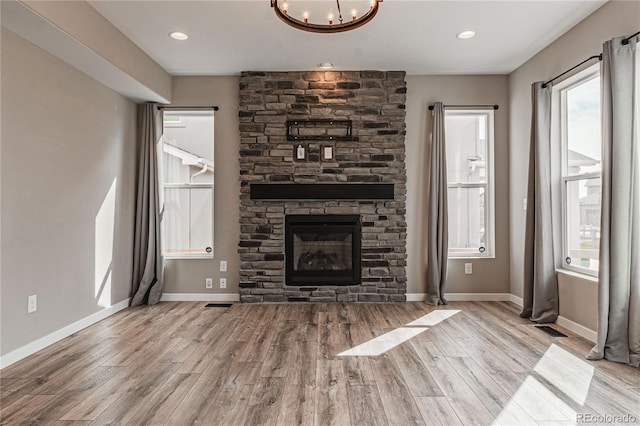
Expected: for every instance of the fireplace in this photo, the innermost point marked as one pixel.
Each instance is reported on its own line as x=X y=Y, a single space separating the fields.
x=365 y=176
x=322 y=250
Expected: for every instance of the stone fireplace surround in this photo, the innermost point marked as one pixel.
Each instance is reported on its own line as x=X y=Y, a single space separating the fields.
x=374 y=101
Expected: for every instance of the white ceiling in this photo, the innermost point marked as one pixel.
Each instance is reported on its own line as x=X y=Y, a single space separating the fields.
x=418 y=36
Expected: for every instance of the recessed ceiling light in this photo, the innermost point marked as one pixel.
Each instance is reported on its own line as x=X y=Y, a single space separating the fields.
x=466 y=34
x=325 y=65
x=177 y=35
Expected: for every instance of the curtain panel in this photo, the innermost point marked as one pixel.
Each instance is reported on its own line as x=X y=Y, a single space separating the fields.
x=540 y=298
x=619 y=270
x=148 y=264
x=437 y=222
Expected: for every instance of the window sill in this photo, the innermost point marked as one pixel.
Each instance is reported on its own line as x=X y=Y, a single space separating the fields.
x=188 y=257
x=575 y=274
x=470 y=257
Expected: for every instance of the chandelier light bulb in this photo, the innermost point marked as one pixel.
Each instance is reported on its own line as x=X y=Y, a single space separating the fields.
x=285 y=7
x=305 y=15
x=330 y=18
x=354 y=14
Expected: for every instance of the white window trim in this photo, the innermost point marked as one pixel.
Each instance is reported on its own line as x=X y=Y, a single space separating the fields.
x=560 y=91
x=488 y=185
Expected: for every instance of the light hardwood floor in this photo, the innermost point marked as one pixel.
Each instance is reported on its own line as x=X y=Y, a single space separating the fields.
x=316 y=364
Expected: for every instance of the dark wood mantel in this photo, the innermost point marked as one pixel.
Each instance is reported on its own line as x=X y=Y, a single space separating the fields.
x=322 y=191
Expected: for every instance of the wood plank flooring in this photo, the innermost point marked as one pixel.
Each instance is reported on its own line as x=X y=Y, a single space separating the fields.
x=181 y=363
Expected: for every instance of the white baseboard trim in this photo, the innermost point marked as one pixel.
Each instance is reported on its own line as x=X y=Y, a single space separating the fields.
x=580 y=330
x=516 y=300
x=51 y=338
x=416 y=297
x=477 y=297
x=200 y=297
x=463 y=297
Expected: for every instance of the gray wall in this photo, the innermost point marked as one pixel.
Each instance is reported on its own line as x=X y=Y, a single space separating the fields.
x=489 y=275
x=187 y=276
x=615 y=18
x=68 y=162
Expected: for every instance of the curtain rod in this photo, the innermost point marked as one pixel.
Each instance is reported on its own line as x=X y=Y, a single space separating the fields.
x=625 y=41
x=599 y=57
x=213 y=107
x=467 y=106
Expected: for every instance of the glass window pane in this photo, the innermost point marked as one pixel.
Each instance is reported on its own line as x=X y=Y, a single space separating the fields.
x=188 y=221
x=583 y=127
x=188 y=147
x=583 y=223
x=467 y=224
x=466 y=139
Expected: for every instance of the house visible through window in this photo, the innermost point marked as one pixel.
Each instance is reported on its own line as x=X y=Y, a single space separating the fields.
x=469 y=141
x=186 y=170
x=581 y=151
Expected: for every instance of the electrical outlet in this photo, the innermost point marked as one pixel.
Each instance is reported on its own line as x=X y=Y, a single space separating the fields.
x=223 y=283
x=524 y=204
x=32 y=304
x=208 y=282
x=223 y=266
x=468 y=268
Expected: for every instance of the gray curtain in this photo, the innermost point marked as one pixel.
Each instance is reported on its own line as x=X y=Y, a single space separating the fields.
x=148 y=264
x=437 y=224
x=540 y=299
x=619 y=270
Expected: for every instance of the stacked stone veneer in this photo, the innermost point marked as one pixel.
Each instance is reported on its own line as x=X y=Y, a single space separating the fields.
x=375 y=102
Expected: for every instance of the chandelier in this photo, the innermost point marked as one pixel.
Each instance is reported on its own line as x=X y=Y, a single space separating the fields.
x=334 y=24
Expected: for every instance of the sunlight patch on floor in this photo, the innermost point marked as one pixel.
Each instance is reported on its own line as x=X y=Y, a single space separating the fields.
x=566 y=372
x=513 y=414
x=541 y=403
x=390 y=340
x=433 y=318
x=385 y=342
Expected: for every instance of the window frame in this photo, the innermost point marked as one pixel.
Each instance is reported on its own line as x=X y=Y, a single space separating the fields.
x=488 y=185
x=169 y=186
x=561 y=90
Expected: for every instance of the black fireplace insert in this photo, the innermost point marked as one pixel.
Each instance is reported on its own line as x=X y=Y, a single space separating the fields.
x=322 y=250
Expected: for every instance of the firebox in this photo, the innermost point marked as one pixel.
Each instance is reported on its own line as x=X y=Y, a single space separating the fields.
x=322 y=249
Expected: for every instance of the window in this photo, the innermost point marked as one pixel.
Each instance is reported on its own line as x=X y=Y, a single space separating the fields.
x=186 y=170
x=581 y=150
x=469 y=139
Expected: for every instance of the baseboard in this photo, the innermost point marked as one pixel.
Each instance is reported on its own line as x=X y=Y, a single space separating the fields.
x=51 y=338
x=463 y=297
x=516 y=300
x=200 y=297
x=416 y=297
x=578 y=329
x=477 y=297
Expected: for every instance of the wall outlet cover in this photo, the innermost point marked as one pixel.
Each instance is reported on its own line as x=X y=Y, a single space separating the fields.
x=32 y=303
x=223 y=266
x=468 y=268
x=208 y=283
x=223 y=283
